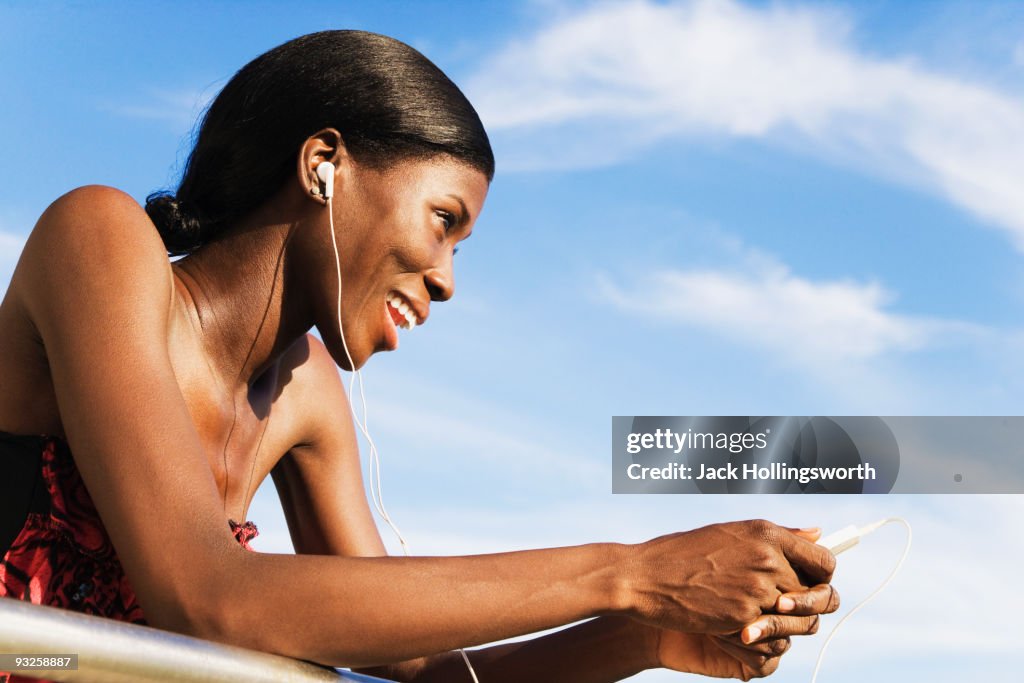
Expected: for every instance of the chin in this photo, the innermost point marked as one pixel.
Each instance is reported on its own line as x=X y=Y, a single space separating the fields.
x=336 y=349
x=359 y=359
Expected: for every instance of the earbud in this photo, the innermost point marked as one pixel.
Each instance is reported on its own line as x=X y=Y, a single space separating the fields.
x=325 y=172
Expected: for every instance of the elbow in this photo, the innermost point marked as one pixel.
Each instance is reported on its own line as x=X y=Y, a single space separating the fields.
x=199 y=614
x=201 y=606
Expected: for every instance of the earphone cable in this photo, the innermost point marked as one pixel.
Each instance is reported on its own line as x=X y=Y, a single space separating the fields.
x=376 y=491
x=888 y=580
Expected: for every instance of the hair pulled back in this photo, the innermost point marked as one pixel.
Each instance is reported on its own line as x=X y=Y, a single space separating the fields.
x=387 y=100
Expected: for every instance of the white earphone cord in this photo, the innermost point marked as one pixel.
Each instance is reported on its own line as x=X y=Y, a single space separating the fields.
x=888 y=580
x=376 y=492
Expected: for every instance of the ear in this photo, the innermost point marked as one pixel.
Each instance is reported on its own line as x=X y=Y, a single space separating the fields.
x=324 y=145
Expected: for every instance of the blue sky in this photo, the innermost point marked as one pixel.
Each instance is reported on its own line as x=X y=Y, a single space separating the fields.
x=701 y=208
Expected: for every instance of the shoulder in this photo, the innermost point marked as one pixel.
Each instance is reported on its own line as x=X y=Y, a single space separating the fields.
x=94 y=248
x=308 y=357
x=95 y=231
x=100 y=214
x=312 y=391
x=309 y=372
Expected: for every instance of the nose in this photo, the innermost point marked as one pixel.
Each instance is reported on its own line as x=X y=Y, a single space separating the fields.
x=440 y=282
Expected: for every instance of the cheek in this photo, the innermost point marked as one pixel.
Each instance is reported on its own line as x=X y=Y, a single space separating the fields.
x=405 y=250
x=381 y=244
x=416 y=258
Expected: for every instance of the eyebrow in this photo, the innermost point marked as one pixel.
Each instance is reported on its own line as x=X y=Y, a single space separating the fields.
x=466 y=216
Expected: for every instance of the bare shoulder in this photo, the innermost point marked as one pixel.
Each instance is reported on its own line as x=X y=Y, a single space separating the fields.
x=91 y=231
x=312 y=390
x=319 y=480
x=309 y=357
x=308 y=370
x=97 y=217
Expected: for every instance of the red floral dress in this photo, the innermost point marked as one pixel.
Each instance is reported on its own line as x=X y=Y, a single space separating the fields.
x=64 y=558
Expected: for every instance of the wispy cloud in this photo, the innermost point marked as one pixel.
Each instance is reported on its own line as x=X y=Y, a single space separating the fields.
x=10 y=249
x=760 y=303
x=178 y=107
x=598 y=85
x=481 y=442
x=11 y=245
x=1018 y=54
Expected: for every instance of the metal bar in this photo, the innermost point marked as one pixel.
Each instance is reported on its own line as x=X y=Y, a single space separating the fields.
x=112 y=651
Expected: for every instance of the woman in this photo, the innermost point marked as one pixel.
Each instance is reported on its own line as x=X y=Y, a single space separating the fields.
x=178 y=387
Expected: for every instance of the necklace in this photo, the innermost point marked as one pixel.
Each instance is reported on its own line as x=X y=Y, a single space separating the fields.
x=234 y=400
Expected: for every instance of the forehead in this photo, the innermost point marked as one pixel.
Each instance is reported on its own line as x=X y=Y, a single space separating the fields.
x=433 y=179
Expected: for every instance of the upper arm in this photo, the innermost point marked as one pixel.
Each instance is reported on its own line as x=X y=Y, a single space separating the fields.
x=319 y=481
x=97 y=284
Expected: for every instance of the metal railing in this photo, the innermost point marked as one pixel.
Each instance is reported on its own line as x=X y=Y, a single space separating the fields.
x=111 y=651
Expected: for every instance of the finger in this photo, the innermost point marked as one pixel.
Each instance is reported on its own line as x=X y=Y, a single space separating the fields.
x=812 y=534
x=769 y=647
x=779 y=626
x=821 y=599
x=811 y=559
x=751 y=658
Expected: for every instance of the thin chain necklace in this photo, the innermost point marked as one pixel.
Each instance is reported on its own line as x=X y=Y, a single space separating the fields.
x=234 y=401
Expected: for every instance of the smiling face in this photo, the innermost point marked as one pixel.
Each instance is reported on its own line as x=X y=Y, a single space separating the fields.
x=397 y=230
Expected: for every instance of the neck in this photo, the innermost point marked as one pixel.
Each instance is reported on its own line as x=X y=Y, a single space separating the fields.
x=241 y=300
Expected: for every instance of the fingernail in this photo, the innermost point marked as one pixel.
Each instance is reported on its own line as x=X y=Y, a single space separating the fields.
x=811 y=529
x=786 y=604
x=753 y=633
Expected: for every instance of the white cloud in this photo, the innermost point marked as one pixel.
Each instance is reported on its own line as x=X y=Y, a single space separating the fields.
x=598 y=85
x=1018 y=54
x=10 y=245
x=761 y=304
x=484 y=439
x=178 y=107
x=10 y=250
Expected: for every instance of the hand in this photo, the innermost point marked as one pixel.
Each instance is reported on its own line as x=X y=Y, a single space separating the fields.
x=795 y=614
x=720 y=578
x=719 y=656
x=755 y=651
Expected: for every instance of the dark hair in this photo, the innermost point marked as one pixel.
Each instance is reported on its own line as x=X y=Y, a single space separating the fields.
x=388 y=101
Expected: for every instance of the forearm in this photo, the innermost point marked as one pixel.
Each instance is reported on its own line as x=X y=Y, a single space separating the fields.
x=598 y=651
x=367 y=611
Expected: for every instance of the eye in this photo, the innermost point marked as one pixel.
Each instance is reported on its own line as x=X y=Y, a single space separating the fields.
x=448 y=219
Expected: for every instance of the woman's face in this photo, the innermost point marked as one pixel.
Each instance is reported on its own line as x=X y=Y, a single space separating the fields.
x=397 y=230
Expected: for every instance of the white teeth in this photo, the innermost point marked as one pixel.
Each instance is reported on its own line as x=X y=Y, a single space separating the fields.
x=400 y=305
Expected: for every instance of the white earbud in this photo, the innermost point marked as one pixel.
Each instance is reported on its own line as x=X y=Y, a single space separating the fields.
x=325 y=172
